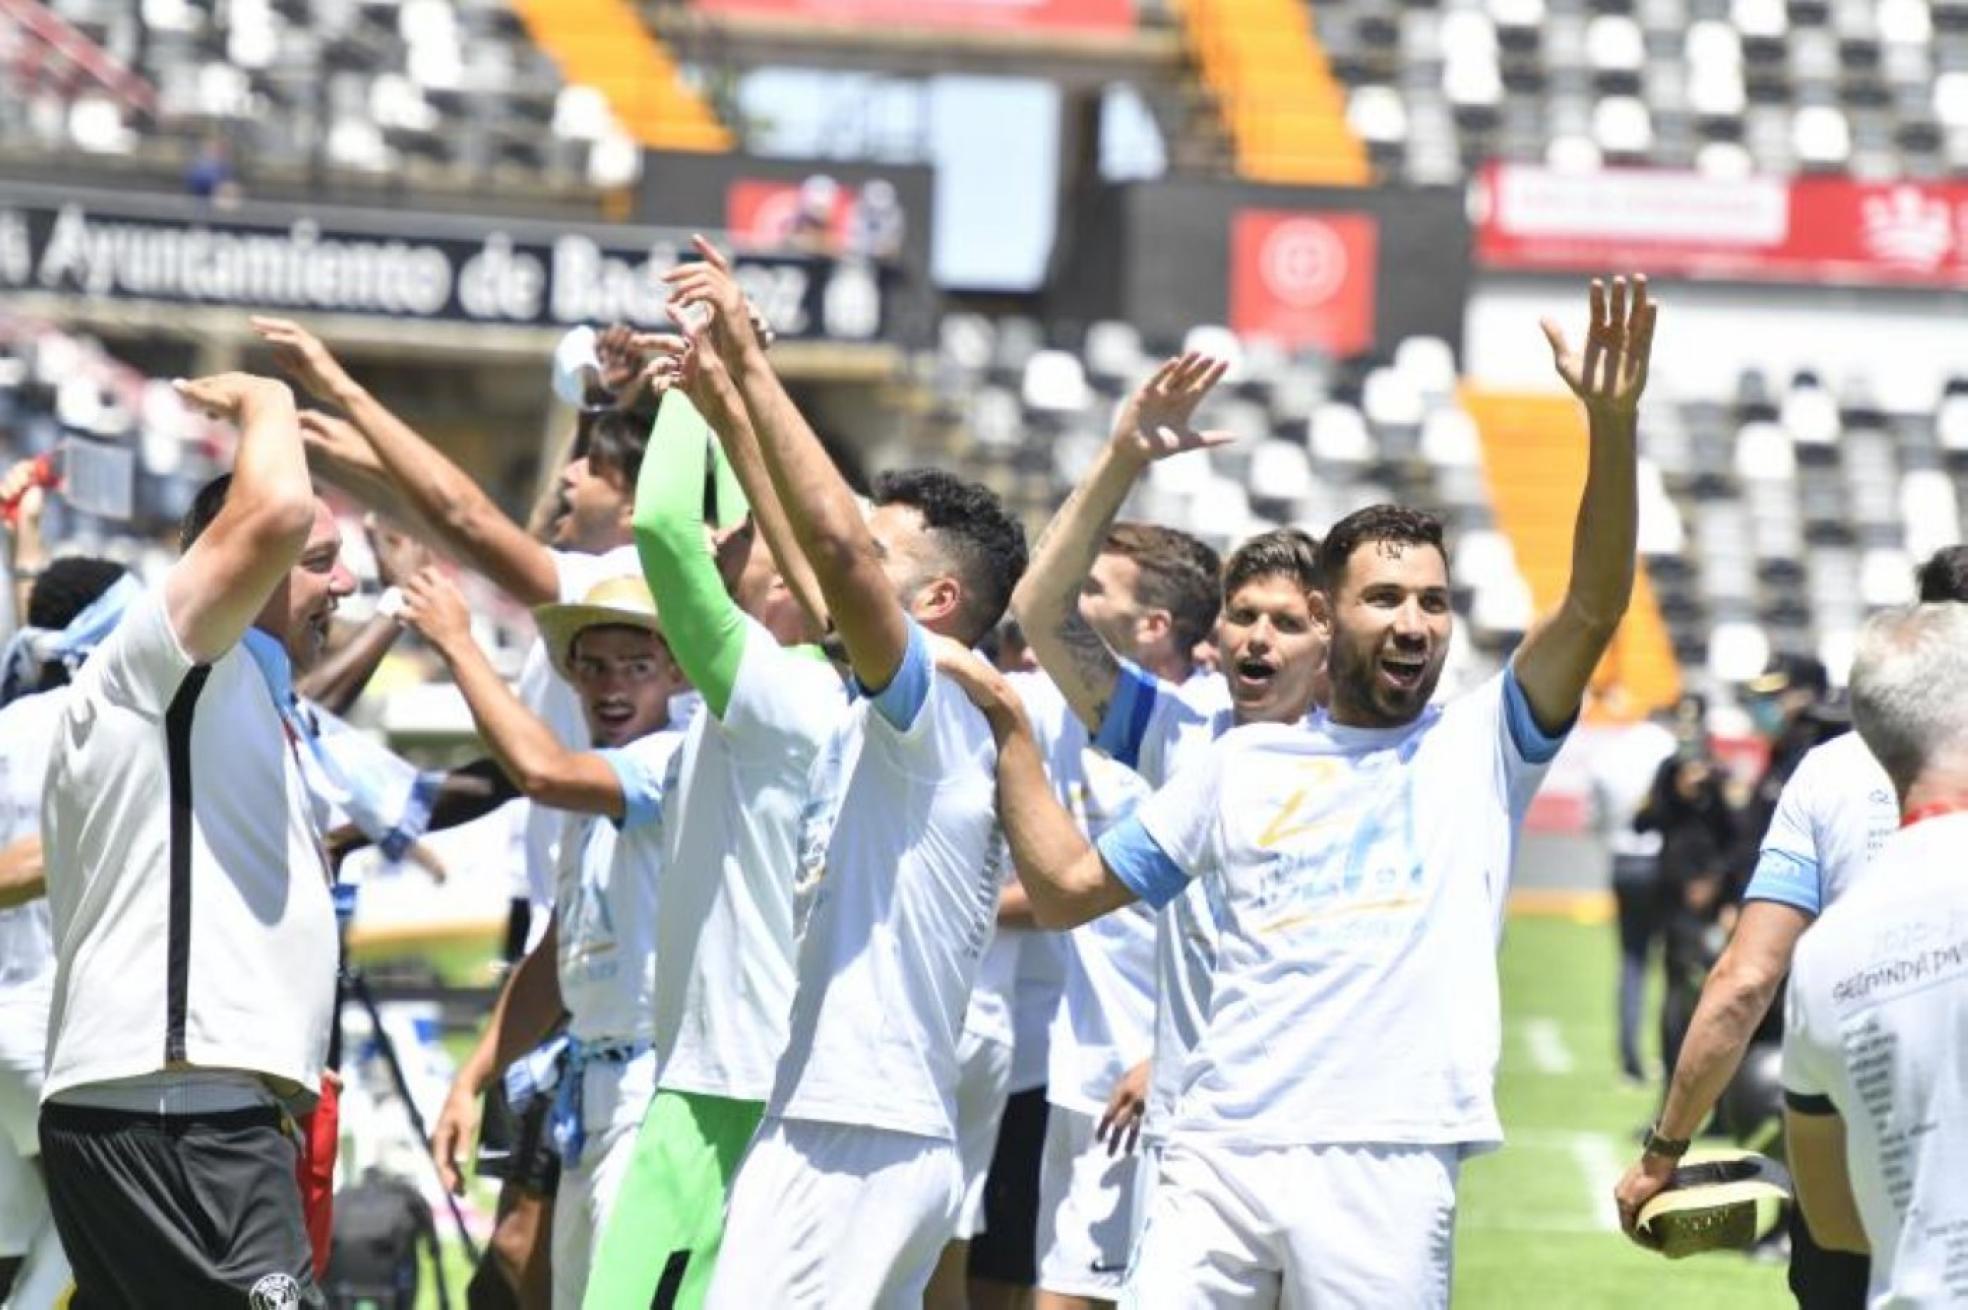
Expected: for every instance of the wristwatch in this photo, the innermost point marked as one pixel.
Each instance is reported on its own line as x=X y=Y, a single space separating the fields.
x=1668 y=1148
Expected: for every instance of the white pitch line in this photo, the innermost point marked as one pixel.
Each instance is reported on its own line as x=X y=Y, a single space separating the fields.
x=1599 y=1159
x=1545 y=1042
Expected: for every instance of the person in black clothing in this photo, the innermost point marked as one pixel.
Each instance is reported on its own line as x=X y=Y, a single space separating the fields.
x=1697 y=831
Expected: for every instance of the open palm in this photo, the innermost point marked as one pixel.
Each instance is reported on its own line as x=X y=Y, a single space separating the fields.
x=1619 y=343
x=1158 y=419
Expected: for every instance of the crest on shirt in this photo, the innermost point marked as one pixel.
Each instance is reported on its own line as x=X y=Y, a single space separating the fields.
x=276 y=1292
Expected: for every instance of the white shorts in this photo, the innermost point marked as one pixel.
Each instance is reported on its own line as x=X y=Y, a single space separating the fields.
x=983 y=1086
x=828 y=1215
x=1302 y=1227
x=614 y=1099
x=1086 y=1209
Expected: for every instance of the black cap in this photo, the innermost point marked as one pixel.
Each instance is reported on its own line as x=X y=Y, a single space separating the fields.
x=1787 y=672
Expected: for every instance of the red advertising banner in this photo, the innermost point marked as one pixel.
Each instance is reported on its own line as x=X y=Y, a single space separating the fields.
x=1044 y=15
x=1807 y=229
x=1304 y=279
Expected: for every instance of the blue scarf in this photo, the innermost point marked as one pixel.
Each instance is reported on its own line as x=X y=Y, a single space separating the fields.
x=30 y=648
x=346 y=773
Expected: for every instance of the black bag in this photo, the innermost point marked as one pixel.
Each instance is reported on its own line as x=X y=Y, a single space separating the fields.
x=380 y=1223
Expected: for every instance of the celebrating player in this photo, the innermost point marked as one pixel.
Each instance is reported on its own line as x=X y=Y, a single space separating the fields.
x=1358 y=867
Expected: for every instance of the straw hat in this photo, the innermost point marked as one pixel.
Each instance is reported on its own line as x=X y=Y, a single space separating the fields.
x=1717 y=1200
x=619 y=602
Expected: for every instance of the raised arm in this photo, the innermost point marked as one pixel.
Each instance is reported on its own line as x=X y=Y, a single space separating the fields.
x=826 y=520
x=544 y=770
x=709 y=630
x=467 y=524
x=22 y=498
x=213 y=593
x=1066 y=883
x=716 y=396
x=1154 y=424
x=1555 y=662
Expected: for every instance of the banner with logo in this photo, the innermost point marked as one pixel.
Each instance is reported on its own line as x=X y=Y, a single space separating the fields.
x=1304 y=280
x=1044 y=15
x=430 y=267
x=1806 y=229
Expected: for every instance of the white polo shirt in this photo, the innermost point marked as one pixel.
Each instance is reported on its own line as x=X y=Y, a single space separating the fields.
x=1874 y=1024
x=188 y=891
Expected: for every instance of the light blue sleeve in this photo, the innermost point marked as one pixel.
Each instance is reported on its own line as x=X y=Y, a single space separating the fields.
x=1129 y=712
x=1787 y=867
x=642 y=778
x=1787 y=880
x=906 y=693
x=1532 y=743
x=1138 y=860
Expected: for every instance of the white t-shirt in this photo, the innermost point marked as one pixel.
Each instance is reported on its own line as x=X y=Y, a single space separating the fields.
x=1622 y=770
x=554 y=701
x=901 y=859
x=1035 y=999
x=1156 y=726
x=27 y=947
x=188 y=889
x=1105 y=1021
x=1836 y=811
x=1875 y=1017
x=605 y=898
x=725 y=935
x=1358 y=878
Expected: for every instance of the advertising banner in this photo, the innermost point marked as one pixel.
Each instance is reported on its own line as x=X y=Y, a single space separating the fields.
x=1037 y=15
x=1304 y=280
x=431 y=267
x=1806 y=229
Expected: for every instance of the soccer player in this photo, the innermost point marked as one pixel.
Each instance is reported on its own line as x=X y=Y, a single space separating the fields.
x=1358 y=869
x=1832 y=817
x=849 y=1190
x=1114 y=612
x=196 y=940
x=73 y=603
x=724 y=939
x=1876 y=1021
x=597 y=961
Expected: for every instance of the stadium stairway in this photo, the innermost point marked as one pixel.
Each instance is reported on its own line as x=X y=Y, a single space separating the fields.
x=1534 y=455
x=1283 y=109
x=606 y=45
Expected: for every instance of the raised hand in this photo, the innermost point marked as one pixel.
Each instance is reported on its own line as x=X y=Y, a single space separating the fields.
x=707 y=283
x=1619 y=342
x=399 y=556
x=231 y=396
x=334 y=438
x=301 y=356
x=435 y=607
x=1157 y=420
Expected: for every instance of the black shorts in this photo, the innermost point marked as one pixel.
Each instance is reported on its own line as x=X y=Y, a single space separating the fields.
x=178 y=1210
x=1006 y=1251
x=1821 y=1279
